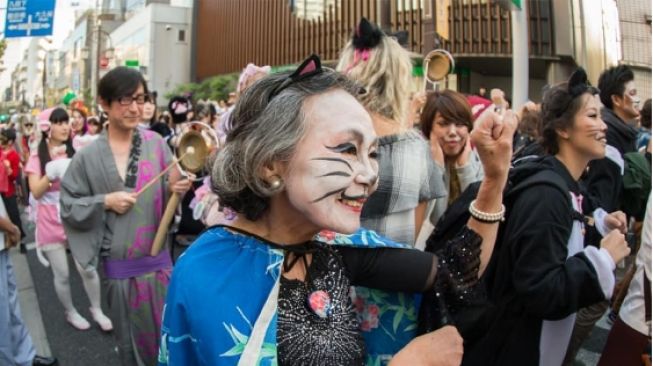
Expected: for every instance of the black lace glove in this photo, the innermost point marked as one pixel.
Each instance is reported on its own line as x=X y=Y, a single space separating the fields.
x=456 y=284
x=459 y=261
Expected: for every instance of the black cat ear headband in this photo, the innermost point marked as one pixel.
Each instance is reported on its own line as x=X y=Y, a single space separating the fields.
x=366 y=37
x=578 y=84
x=310 y=67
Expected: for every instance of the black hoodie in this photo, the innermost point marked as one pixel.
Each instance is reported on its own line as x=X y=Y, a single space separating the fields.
x=529 y=278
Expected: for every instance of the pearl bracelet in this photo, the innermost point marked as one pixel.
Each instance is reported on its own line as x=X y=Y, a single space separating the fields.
x=486 y=217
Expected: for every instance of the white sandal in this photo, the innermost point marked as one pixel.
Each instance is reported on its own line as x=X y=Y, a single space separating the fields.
x=77 y=320
x=103 y=321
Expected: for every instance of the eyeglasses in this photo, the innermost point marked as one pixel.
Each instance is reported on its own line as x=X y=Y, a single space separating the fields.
x=28 y=125
x=139 y=98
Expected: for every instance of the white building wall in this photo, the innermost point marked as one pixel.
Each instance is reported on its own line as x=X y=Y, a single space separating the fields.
x=34 y=58
x=635 y=21
x=152 y=36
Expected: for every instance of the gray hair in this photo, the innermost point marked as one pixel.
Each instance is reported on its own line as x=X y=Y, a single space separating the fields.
x=265 y=128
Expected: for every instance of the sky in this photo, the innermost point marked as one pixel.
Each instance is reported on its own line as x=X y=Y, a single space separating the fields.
x=64 y=22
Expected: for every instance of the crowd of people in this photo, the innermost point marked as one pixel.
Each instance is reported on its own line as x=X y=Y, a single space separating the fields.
x=339 y=219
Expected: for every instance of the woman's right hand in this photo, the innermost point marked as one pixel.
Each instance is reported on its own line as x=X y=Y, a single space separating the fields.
x=443 y=347
x=616 y=245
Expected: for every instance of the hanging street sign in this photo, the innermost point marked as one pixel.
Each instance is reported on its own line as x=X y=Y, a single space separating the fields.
x=29 y=18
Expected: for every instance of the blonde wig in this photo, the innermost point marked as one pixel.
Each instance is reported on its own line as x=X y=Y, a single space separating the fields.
x=384 y=71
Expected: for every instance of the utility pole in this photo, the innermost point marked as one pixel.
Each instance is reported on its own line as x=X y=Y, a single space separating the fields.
x=520 y=40
x=95 y=53
x=43 y=80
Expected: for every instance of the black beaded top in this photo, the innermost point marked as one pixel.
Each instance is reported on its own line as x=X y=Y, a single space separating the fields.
x=305 y=338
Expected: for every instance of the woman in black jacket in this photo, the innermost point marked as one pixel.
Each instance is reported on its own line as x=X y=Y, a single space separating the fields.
x=540 y=273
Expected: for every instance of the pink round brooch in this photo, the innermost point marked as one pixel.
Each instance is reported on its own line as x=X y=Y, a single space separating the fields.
x=320 y=303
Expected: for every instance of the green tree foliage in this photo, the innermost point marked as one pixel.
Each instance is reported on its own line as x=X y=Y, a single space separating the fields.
x=213 y=88
x=3 y=46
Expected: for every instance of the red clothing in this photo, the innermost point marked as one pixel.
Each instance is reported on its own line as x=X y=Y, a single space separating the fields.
x=24 y=148
x=14 y=161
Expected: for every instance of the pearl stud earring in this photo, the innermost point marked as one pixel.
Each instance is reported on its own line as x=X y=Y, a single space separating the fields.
x=275 y=183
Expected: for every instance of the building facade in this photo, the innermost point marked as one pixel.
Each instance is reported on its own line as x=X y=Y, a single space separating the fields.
x=156 y=40
x=74 y=59
x=635 y=24
x=150 y=35
x=563 y=34
x=28 y=77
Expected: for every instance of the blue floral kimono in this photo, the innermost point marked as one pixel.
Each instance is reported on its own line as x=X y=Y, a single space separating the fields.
x=244 y=272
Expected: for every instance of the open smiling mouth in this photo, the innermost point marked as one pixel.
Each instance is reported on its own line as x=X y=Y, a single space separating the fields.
x=601 y=138
x=355 y=202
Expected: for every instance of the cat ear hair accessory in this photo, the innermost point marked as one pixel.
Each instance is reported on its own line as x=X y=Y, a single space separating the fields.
x=366 y=37
x=579 y=84
x=310 y=67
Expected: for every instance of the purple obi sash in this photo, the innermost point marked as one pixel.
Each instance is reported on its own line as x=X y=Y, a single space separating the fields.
x=120 y=269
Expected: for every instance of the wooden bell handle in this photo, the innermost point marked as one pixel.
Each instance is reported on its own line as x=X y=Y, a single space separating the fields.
x=162 y=231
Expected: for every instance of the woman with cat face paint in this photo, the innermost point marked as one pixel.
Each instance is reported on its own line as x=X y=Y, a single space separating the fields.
x=300 y=158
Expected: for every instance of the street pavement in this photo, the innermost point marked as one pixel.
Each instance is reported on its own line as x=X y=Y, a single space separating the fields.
x=69 y=345
x=52 y=335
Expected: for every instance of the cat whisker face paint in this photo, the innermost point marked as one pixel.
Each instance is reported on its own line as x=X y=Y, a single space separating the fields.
x=588 y=134
x=334 y=168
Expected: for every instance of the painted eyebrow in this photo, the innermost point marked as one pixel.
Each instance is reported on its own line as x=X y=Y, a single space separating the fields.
x=359 y=136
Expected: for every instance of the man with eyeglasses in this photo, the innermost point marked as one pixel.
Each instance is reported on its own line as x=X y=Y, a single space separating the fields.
x=108 y=218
